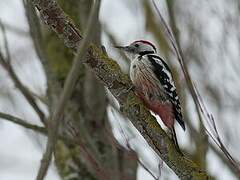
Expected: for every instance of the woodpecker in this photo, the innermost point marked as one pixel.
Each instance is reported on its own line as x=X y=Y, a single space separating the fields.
x=153 y=83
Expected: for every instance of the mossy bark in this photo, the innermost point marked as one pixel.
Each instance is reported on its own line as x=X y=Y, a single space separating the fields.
x=109 y=73
x=87 y=107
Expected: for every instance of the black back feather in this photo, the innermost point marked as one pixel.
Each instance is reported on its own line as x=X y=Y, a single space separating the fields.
x=160 y=68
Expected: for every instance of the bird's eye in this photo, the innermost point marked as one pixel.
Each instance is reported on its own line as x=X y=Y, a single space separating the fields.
x=136 y=45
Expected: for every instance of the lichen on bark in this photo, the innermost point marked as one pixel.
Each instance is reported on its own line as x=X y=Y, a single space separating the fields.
x=109 y=73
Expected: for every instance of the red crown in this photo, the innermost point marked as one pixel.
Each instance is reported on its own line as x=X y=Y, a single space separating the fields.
x=146 y=42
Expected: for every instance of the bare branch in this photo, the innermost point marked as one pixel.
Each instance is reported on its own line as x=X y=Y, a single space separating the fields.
x=127 y=141
x=101 y=173
x=148 y=170
x=67 y=91
x=208 y=117
x=6 y=64
x=26 y=93
x=35 y=31
x=5 y=42
x=216 y=137
x=95 y=165
x=22 y=122
x=119 y=84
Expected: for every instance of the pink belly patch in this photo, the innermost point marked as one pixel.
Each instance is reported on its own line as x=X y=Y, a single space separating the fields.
x=163 y=110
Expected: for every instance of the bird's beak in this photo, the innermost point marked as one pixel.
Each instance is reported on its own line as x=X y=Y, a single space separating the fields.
x=124 y=48
x=120 y=47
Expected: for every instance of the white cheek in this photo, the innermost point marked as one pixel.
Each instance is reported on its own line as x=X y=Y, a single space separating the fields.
x=130 y=56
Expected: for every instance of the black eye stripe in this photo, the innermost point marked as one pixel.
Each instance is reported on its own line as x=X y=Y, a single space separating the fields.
x=136 y=45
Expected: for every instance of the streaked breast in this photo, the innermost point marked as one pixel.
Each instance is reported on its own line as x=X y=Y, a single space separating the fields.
x=144 y=79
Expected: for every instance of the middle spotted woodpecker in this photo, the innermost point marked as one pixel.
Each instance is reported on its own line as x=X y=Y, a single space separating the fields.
x=153 y=83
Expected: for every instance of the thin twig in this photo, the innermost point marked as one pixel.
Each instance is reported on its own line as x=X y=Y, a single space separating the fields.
x=216 y=138
x=8 y=57
x=148 y=170
x=196 y=95
x=109 y=73
x=22 y=122
x=35 y=31
x=67 y=91
x=127 y=142
x=193 y=132
x=43 y=131
x=6 y=64
x=26 y=92
x=101 y=173
x=35 y=128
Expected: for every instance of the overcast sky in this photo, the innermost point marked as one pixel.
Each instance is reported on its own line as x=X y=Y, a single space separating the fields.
x=21 y=150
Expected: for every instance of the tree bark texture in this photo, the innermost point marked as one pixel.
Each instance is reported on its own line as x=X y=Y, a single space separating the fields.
x=109 y=73
x=86 y=110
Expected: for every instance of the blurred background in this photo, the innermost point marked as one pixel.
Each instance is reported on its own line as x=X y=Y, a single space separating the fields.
x=35 y=62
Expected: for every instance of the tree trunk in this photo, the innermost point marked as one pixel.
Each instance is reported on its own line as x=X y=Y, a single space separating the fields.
x=86 y=111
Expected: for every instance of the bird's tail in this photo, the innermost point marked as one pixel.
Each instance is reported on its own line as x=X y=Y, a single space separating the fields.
x=174 y=137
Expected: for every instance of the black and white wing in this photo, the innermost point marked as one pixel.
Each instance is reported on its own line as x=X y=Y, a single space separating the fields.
x=163 y=73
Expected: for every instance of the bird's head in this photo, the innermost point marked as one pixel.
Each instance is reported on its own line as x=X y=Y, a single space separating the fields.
x=140 y=47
